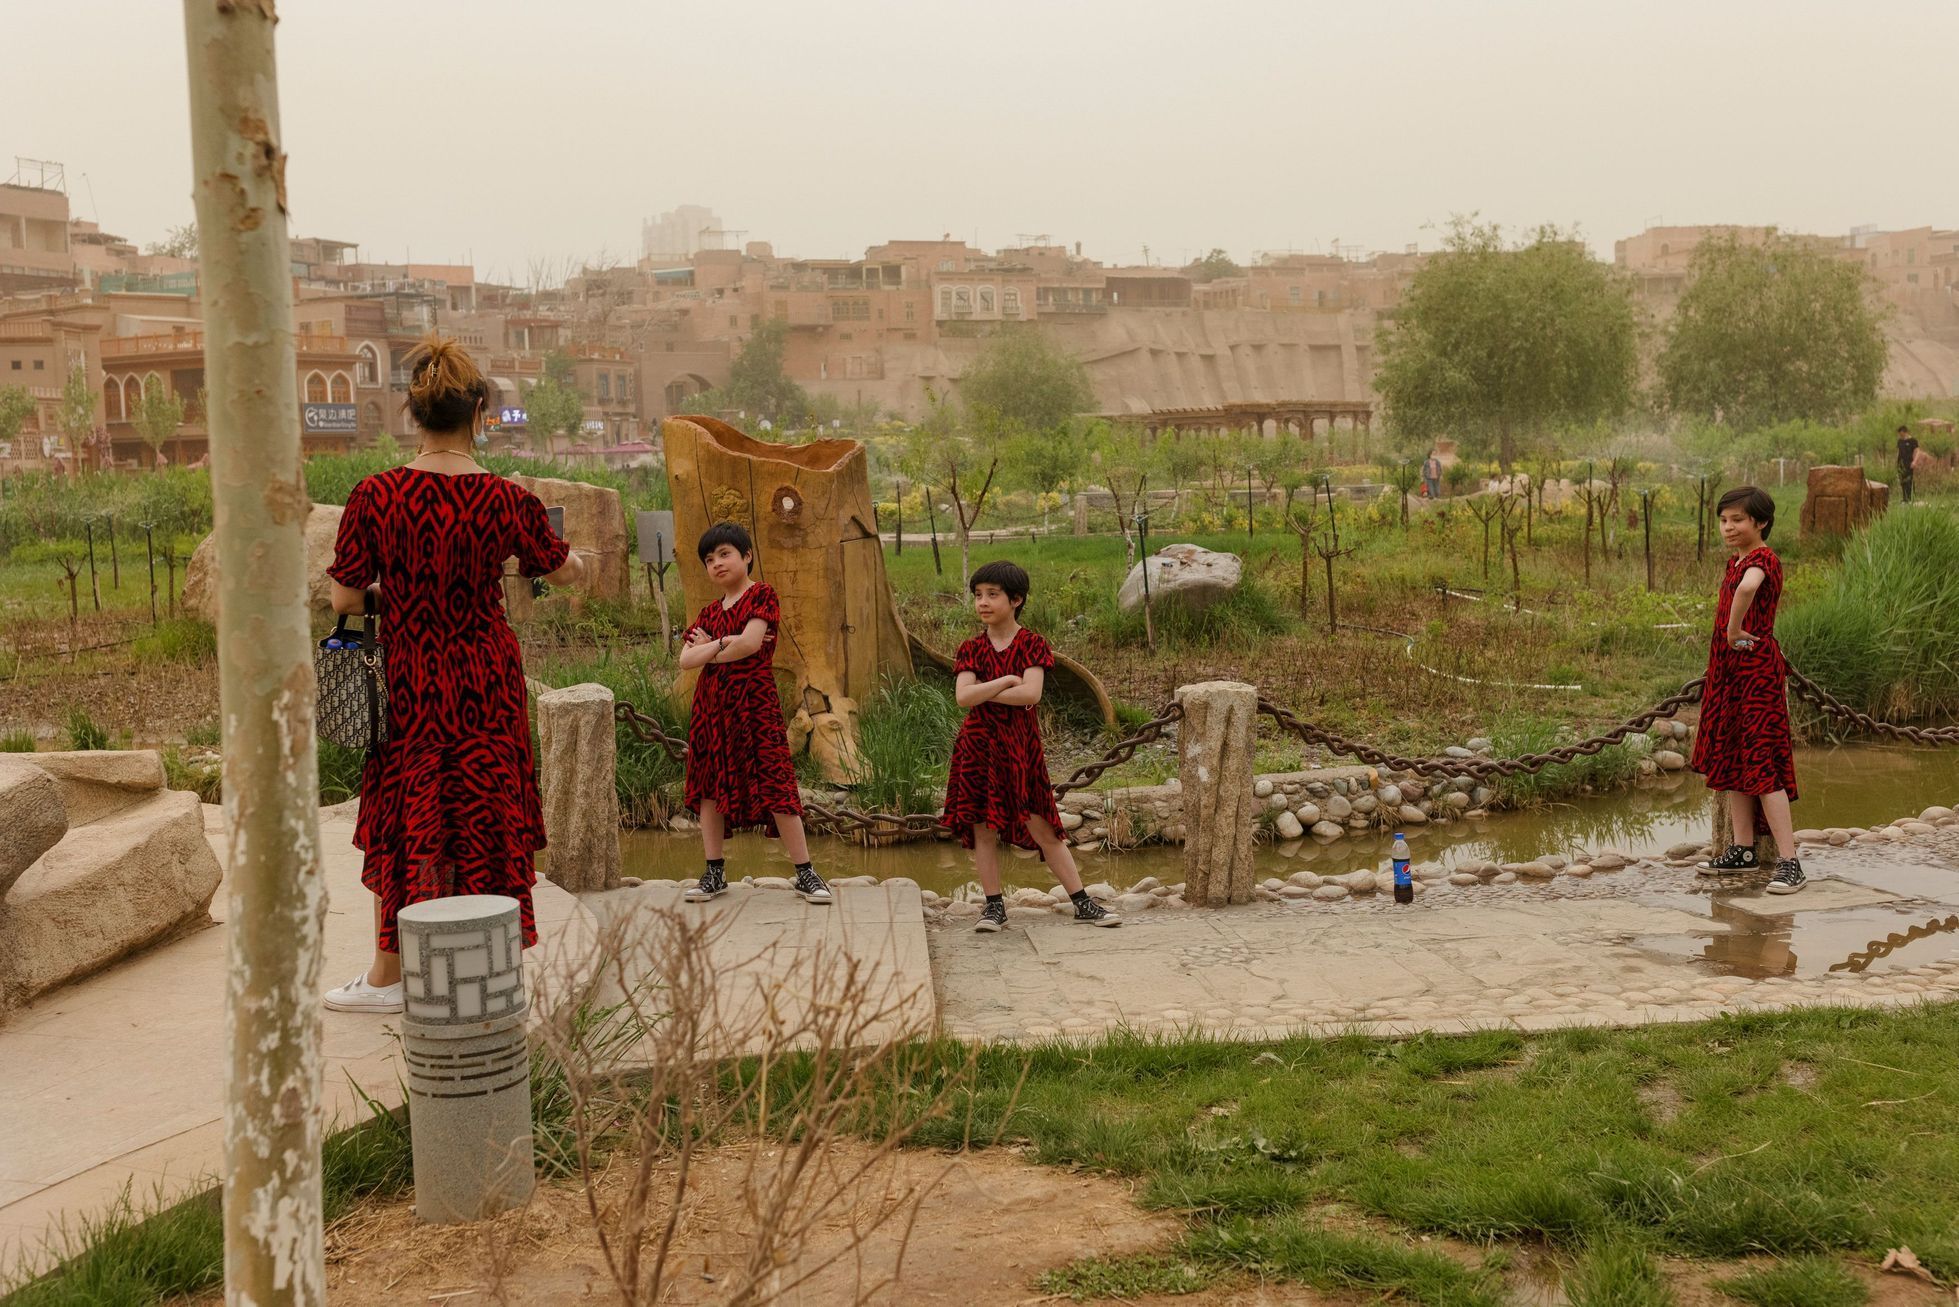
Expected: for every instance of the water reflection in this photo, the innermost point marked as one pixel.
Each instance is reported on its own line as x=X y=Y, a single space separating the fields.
x=1850 y=786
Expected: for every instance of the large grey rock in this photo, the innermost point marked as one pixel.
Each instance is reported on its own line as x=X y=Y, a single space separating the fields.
x=322 y=526
x=33 y=817
x=578 y=744
x=1189 y=575
x=100 y=782
x=107 y=889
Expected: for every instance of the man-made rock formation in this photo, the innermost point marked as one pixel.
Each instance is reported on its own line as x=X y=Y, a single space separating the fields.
x=322 y=525
x=1187 y=575
x=133 y=869
x=1215 y=742
x=595 y=524
x=1841 y=499
x=32 y=817
x=578 y=749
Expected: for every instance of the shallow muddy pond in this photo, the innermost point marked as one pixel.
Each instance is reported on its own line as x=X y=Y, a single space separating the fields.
x=1853 y=786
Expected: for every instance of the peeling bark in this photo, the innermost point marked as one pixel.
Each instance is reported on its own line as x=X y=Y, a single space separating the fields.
x=274 y=1253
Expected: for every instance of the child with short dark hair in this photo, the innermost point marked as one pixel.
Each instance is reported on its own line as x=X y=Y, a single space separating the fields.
x=739 y=772
x=1743 y=746
x=999 y=787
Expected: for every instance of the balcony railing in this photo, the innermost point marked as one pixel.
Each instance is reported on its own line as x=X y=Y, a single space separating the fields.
x=192 y=342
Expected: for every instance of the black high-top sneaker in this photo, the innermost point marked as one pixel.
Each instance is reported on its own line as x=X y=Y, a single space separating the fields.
x=1788 y=877
x=811 y=886
x=1739 y=857
x=712 y=884
x=992 y=917
x=1090 y=913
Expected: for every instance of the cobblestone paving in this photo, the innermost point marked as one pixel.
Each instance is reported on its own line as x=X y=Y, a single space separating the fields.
x=1649 y=942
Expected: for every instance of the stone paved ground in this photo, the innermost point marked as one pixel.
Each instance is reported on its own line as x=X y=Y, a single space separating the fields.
x=117 y=1082
x=1647 y=942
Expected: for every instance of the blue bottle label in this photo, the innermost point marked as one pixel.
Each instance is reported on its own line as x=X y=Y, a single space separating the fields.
x=1401 y=876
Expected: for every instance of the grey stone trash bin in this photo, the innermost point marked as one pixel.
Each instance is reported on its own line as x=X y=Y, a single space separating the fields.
x=469 y=1073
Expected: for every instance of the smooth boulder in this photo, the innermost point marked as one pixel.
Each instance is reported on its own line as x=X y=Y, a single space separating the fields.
x=1190 y=576
x=33 y=817
x=322 y=527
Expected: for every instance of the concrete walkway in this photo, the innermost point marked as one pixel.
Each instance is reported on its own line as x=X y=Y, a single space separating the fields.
x=1645 y=943
x=117 y=1083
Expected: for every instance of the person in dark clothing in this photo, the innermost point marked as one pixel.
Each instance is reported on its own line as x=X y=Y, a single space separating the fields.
x=1907 y=451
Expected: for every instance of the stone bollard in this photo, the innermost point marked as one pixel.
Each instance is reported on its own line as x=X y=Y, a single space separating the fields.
x=1215 y=765
x=579 y=747
x=469 y=1071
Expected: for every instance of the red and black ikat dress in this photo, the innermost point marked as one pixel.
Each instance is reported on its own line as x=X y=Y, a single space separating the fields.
x=1743 y=743
x=999 y=775
x=737 y=744
x=449 y=804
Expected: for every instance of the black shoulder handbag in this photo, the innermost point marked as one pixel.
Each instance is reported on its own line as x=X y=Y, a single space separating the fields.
x=352 y=703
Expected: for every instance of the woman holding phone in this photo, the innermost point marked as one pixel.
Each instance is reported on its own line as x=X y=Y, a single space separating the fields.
x=449 y=803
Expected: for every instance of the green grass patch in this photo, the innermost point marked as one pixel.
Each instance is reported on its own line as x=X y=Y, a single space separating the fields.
x=1292 y=1249
x=177 y=640
x=179 y=773
x=1619 y=1273
x=904 y=746
x=17 y=741
x=1126 y=1277
x=82 y=732
x=1513 y=736
x=1812 y=1281
x=340 y=772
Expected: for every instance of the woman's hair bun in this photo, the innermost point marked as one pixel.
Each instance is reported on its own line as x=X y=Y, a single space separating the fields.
x=445 y=387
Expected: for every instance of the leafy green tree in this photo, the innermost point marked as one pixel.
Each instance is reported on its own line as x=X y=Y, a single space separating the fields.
x=1046 y=462
x=181 y=243
x=557 y=366
x=15 y=406
x=76 y=414
x=1498 y=344
x=552 y=407
x=158 y=415
x=1770 y=333
x=1125 y=457
x=1025 y=379
x=758 y=384
x=1214 y=265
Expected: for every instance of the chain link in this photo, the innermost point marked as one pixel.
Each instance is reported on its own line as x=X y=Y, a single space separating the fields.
x=882 y=827
x=1879 y=948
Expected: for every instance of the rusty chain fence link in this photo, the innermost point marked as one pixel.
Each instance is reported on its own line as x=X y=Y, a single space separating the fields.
x=892 y=827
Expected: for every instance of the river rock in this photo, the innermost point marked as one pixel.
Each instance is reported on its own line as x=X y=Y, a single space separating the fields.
x=1288 y=826
x=1456 y=802
x=1936 y=814
x=1531 y=870
x=1365 y=804
x=1147 y=885
x=33 y=817
x=1338 y=808
x=1262 y=788
x=1304 y=880
x=1327 y=830
x=1481 y=744
x=1464 y=879
x=1685 y=850
x=1457 y=751
x=1330 y=893
x=1412 y=816
x=1308 y=814
x=1669 y=760
x=1480 y=796
x=1186 y=575
x=1389 y=795
x=1129 y=904
x=1610 y=860
x=1070 y=820
x=1504 y=878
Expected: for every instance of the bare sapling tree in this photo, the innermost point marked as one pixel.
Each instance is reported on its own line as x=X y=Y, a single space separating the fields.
x=1304 y=522
x=1329 y=549
x=676 y=1061
x=1487 y=508
x=273 y=1248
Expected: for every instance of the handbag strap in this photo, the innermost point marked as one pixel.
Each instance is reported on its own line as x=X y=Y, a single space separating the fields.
x=371 y=660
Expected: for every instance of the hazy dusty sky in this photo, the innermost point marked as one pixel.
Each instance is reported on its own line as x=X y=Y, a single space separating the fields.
x=507 y=129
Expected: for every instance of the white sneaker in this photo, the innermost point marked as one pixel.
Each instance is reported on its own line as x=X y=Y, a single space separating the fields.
x=359 y=996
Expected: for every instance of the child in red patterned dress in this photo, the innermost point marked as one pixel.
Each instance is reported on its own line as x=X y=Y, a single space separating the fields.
x=1743 y=745
x=739 y=773
x=999 y=787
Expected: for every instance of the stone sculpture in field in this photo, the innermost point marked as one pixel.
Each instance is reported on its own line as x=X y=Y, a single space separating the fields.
x=1841 y=499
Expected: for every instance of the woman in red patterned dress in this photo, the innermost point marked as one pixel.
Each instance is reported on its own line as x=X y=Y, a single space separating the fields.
x=739 y=773
x=998 y=787
x=1743 y=745
x=449 y=804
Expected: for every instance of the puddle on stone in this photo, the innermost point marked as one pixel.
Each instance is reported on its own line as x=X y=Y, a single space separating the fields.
x=1852 y=786
x=1758 y=946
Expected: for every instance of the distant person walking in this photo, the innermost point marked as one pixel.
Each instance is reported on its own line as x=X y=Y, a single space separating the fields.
x=1743 y=746
x=1907 y=451
x=1432 y=475
x=449 y=804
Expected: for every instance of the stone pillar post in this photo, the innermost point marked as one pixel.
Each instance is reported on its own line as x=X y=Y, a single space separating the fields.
x=1215 y=765
x=579 y=746
x=469 y=1071
x=1081 y=513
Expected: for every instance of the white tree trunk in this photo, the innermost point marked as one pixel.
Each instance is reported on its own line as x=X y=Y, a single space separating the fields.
x=274 y=1252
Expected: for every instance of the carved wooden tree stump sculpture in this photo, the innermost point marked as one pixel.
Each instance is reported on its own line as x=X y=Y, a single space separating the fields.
x=808 y=509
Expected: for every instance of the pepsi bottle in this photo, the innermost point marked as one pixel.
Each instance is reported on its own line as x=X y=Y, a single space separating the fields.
x=1404 y=880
